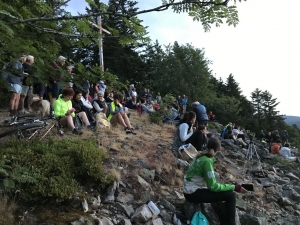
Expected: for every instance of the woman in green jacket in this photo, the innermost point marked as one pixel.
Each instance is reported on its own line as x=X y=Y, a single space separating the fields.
x=200 y=184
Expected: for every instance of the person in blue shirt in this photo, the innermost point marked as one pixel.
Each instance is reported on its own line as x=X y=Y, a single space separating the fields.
x=201 y=115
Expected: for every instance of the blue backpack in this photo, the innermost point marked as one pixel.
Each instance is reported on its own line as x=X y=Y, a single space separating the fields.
x=199 y=219
x=223 y=132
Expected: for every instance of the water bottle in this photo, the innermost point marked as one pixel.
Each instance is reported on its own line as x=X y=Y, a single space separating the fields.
x=153 y=208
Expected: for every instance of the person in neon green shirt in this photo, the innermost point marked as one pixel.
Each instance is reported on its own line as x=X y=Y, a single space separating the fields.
x=117 y=115
x=63 y=108
x=200 y=184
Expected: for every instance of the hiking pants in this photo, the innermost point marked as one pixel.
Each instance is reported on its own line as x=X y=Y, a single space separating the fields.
x=207 y=196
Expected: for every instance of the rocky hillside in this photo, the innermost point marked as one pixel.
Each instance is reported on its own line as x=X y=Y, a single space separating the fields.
x=147 y=168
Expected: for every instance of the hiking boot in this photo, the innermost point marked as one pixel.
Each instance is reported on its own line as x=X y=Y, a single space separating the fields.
x=76 y=131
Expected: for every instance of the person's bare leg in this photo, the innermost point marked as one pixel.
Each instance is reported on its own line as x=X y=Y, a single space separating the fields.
x=84 y=118
x=126 y=120
x=21 y=102
x=17 y=99
x=120 y=120
x=67 y=120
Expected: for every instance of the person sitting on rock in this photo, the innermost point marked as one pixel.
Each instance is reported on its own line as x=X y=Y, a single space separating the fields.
x=80 y=106
x=268 y=138
x=99 y=104
x=286 y=152
x=131 y=103
x=185 y=134
x=64 y=111
x=200 y=185
x=146 y=110
x=118 y=116
x=275 y=147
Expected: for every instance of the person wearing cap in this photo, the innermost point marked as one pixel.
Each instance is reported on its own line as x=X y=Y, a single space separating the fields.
x=15 y=75
x=55 y=79
x=201 y=115
x=102 y=86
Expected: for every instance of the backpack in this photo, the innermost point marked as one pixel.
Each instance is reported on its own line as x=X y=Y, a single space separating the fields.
x=199 y=219
x=223 y=132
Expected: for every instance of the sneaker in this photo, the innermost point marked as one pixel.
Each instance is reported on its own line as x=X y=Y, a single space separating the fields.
x=76 y=131
x=127 y=130
x=132 y=131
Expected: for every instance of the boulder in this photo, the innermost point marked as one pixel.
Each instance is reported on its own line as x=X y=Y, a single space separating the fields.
x=141 y=214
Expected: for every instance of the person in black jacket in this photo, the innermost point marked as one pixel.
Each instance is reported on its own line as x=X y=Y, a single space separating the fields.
x=80 y=109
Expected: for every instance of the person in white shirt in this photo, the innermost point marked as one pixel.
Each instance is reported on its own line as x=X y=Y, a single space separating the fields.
x=286 y=152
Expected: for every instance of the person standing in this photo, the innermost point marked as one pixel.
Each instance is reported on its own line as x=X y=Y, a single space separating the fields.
x=15 y=75
x=184 y=104
x=55 y=80
x=158 y=98
x=200 y=111
x=26 y=88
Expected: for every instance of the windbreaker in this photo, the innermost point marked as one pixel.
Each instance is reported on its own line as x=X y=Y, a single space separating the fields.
x=61 y=107
x=201 y=175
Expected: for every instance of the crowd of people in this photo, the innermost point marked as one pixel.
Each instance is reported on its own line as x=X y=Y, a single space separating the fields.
x=91 y=102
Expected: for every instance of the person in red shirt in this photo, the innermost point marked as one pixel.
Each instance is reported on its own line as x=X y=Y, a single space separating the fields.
x=275 y=147
x=211 y=117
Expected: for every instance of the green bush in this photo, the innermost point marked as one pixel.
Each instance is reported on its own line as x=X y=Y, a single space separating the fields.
x=52 y=169
x=282 y=162
x=156 y=117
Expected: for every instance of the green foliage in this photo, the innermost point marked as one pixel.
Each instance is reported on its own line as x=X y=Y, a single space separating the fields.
x=156 y=117
x=212 y=125
x=52 y=169
x=283 y=162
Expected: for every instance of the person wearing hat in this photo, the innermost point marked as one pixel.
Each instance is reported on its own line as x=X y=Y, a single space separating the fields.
x=15 y=75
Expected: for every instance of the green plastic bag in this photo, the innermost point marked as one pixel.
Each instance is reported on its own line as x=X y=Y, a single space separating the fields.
x=199 y=219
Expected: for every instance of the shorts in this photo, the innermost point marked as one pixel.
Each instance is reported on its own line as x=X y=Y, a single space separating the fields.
x=55 y=90
x=16 y=88
x=26 y=90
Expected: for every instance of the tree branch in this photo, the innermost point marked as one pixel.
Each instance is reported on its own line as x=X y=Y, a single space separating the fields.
x=80 y=16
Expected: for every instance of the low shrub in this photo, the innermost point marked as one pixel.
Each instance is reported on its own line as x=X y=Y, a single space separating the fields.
x=51 y=169
x=282 y=162
x=156 y=117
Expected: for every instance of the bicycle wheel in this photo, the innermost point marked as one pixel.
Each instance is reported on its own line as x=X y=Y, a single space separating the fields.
x=25 y=131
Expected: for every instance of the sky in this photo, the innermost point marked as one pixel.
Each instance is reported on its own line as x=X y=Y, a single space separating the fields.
x=262 y=51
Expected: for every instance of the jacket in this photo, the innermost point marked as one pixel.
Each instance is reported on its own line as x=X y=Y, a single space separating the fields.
x=14 y=72
x=61 y=107
x=113 y=109
x=201 y=175
x=200 y=111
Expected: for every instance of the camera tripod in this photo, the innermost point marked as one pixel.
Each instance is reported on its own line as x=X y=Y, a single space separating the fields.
x=249 y=161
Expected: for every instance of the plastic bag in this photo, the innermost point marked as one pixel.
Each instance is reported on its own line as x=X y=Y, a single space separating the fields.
x=199 y=219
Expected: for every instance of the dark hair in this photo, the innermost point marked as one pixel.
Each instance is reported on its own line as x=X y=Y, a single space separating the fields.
x=213 y=146
x=287 y=145
x=68 y=92
x=236 y=127
x=143 y=100
x=201 y=127
x=185 y=117
x=117 y=97
x=191 y=115
x=77 y=91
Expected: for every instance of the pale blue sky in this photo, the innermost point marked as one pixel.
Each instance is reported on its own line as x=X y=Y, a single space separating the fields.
x=263 y=51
